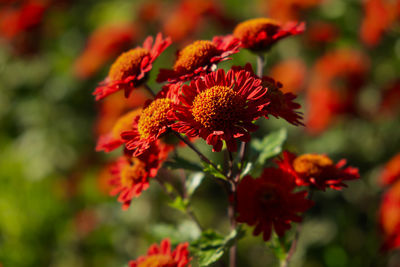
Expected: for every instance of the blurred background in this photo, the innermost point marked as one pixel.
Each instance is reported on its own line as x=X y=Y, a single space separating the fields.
x=54 y=204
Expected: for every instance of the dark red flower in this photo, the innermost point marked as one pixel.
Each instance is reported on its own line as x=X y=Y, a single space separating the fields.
x=269 y=202
x=262 y=33
x=221 y=107
x=162 y=256
x=130 y=175
x=200 y=58
x=391 y=171
x=149 y=126
x=131 y=68
x=317 y=170
x=113 y=140
x=389 y=217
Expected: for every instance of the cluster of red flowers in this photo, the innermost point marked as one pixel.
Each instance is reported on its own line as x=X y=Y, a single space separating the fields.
x=389 y=214
x=220 y=107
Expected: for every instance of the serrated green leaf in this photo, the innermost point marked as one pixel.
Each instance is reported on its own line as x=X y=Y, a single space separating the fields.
x=193 y=181
x=210 y=247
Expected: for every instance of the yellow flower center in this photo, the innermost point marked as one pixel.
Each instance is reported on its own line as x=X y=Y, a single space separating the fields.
x=311 y=164
x=249 y=29
x=154 y=117
x=127 y=64
x=158 y=260
x=132 y=173
x=124 y=123
x=195 y=55
x=218 y=108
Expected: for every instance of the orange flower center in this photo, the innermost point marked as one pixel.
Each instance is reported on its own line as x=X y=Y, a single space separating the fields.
x=218 y=108
x=130 y=174
x=154 y=117
x=124 y=123
x=311 y=164
x=248 y=30
x=128 y=64
x=158 y=260
x=195 y=55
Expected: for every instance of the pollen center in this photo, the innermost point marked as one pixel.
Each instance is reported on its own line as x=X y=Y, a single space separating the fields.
x=311 y=164
x=132 y=173
x=248 y=31
x=157 y=260
x=218 y=108
x=124 y=123
x=195 y=55
x=154 y=117
x=128 y=64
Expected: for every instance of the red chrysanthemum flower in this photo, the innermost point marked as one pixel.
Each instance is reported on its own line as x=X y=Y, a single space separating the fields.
x=149 y=126
x=260 y=34
x=391 y=171
x=131 y=68
x=112 y=140
x=389 y=217
x=269 y=202
x=162 y=256
x=317 y=170
x=221 y=107
x=281 y=105
x=200 y=58
x=131 y=175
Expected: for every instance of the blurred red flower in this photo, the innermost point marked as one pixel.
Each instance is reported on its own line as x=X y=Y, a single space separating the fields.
x=162 y=256
x=322 y=33
x=261 y=34
x=221 y=107
x=379 y=15
x=317 y=170
x=291 y=73
x=391 y=171
x=130 y=69
x=389 y=217
x=130 y=176
x=390 y=104
x=335 y=82
x=270 y=202
x=288 y=10
x=112 y=140
x=103 y=44
x=200 y=58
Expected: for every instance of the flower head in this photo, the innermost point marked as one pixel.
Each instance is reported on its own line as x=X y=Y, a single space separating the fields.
x=112 y=140
x=149 y=126
x=261 y=33
x=391 y=171
x=269 y=202
x=162 y=256
x=221 y=107
x=130 y=69
x=389 y=217
x=130 y=175
x=281 y=105
x=317 y=170
x=199 y=58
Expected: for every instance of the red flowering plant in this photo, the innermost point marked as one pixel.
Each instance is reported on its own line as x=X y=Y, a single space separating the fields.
x=223 y=109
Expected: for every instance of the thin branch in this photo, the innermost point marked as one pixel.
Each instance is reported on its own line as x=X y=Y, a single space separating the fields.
x=260 y=65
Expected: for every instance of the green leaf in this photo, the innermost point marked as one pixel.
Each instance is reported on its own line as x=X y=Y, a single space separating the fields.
x=208 y=168
x=181 y=163
x=266 y=148
x=193 y=181
x=179 y=203
x=210 y=247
